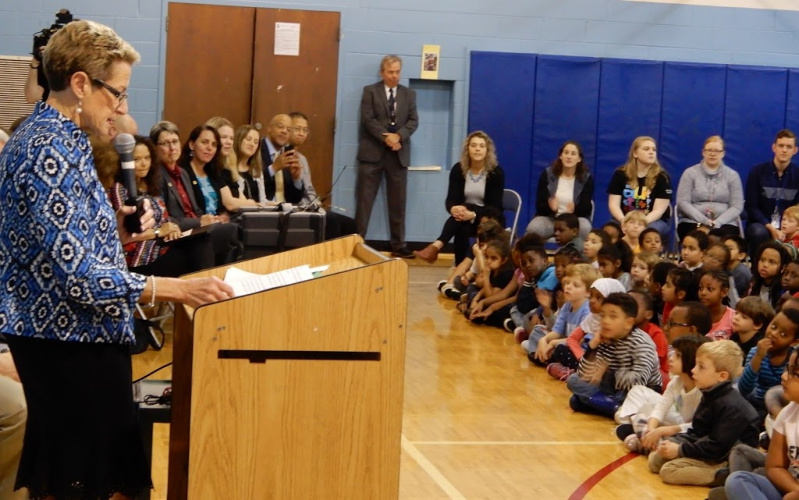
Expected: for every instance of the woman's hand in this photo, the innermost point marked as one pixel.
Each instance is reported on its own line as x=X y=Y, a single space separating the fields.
x=200 y=291
x=553 y=204
x=570 y=207
x=208 y=219
x=146 y=221
x=170 y=231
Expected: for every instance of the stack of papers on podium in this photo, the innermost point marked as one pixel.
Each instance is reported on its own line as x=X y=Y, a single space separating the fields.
x=245 y=283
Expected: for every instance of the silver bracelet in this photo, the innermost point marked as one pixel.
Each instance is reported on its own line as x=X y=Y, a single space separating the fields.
x=152 y=298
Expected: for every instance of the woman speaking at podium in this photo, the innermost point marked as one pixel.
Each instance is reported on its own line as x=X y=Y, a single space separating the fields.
x=67 y=299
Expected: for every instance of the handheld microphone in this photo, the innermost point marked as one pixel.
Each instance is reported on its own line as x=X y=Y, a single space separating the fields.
x=125 y=144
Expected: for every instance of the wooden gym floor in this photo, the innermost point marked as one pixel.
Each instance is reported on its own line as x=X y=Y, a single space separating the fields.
x=480 y=421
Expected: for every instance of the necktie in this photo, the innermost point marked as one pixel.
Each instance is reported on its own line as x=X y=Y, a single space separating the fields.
x=391 y=106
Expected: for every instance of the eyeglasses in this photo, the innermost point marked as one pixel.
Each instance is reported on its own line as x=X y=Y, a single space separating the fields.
x=304 y=130
x=120 y=96
x=671 y=323
x=713 y=151
x=169 y=144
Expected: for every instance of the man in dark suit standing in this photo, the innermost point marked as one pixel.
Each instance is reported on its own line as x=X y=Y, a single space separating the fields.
x=388 y=118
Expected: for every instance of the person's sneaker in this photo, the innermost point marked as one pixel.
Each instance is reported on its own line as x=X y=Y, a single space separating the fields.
x=623 y=431
x=633 y=443
x=520 y=334
x=720 y=477
x=441 y=285
x=452 y=293
x=558 y=371
x=509 y=325
x=525 y=344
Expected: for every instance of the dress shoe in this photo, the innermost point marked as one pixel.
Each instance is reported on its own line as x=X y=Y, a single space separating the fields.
x=403 y=252
x=428 y=254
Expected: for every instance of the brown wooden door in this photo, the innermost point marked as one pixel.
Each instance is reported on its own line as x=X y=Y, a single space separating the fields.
x=306 y=83
x=208 y=64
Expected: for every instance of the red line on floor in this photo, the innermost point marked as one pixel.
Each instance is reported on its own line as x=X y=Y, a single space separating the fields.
x=599 y=475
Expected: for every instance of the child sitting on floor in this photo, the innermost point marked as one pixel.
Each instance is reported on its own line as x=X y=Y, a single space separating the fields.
x=567 y=231
x=717 y=258
x=643 y=263
x=789 y=226
x=618 y=358
x=722 y=419
x=632 y=225
x=782 y=466
x=644 y=322
x=770 y=260
x=752 y=316
x=740 y=272
x=610 y=265
x=594 y=242
x=713 y=288
x=765 y=363
x=651 y=416
x=680 y=287
x=694 y=246
x=651 y=241
x=657 y=278
x=567 y=356
x=578 y=279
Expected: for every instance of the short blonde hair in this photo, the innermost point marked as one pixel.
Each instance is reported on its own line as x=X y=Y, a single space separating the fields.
x=726 y=356
x=635 y=215
x=390 y=59
x=792 y=212
x=585 y=272
x=648 y=258
x=84 y=46
x=714 y=138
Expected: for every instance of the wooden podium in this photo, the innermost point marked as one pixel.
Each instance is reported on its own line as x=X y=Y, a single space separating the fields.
x=294 y=392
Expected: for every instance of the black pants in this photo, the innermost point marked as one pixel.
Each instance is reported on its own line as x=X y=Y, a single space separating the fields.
x=337 y=225
x=461 y=231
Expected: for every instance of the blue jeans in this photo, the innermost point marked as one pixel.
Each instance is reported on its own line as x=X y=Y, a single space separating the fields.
x=750 y=486
x=756 y=235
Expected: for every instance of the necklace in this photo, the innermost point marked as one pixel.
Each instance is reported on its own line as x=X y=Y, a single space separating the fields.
x=477 y=178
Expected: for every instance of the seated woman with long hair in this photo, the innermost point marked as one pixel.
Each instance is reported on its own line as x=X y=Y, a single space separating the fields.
x=476 y=183
x=158 y=251
x=641 y=184
x=249 y=170
x=564 y=187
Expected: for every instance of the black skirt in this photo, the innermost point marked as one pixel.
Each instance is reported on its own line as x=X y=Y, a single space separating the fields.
x=82 y=439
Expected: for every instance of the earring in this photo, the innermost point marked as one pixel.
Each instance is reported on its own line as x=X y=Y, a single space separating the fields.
x=79 y=109
x=191 y=152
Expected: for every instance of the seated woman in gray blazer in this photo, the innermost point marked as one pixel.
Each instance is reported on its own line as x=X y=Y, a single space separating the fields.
x=564 y=187
x=476 y=185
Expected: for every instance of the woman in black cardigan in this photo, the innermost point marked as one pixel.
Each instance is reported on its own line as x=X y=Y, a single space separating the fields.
x=476 y=185
x=564 y=187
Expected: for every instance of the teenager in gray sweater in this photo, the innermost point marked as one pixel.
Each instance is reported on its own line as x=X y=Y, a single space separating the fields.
x=710 y=194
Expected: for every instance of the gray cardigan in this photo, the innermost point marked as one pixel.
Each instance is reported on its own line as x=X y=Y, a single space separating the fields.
x=699 y=191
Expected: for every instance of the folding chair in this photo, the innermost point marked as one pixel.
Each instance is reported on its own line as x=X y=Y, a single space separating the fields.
x=512 y=202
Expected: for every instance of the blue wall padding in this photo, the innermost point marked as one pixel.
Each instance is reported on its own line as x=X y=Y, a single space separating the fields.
x=605 y=103
x=501 y=104
x=692 y=111
x=566 y=100
x=754 y=113
x=792 y=107
x=629 y=106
